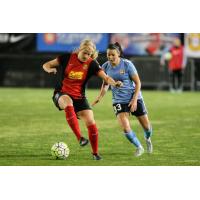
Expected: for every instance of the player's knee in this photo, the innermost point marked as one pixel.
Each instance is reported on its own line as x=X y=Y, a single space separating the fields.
x=65 y=101
x=90 y=122
x=126 y=129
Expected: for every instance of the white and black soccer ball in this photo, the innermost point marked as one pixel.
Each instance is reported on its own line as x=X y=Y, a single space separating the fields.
x=60 y=150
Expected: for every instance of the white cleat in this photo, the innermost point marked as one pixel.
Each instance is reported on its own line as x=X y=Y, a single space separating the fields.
x=149 y=145
x=139 y=151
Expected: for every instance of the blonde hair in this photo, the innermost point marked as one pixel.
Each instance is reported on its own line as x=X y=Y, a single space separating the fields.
x=88 y=43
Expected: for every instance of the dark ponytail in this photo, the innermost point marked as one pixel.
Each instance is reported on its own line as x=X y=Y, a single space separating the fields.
x=118 y=47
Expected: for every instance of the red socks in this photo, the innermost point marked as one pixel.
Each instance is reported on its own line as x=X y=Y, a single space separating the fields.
x=73 y=121
x=93 y=137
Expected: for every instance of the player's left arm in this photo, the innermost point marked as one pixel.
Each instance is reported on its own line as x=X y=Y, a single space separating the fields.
x=104 y=89
x=133 y=102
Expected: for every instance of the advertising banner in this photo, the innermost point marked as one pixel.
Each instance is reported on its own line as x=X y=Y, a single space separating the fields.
x=17 y=42
x=67 y=42
x=192 y=45
x=143 y=44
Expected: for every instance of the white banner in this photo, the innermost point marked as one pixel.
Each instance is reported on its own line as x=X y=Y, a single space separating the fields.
x=192 y=45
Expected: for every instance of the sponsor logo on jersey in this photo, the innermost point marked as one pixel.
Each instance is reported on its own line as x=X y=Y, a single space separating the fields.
x=122 y=71
x=75 y=75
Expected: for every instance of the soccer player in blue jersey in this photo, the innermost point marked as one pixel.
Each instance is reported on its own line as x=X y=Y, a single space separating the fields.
x=128 y=98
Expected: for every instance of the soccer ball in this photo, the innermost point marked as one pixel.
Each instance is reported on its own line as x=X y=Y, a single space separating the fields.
x=168 y=56
x=60 y=150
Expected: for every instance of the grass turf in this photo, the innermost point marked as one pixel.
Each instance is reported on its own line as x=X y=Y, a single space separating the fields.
x=30 y=125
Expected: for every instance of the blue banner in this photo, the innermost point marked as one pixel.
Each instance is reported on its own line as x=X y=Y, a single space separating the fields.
x=144 y=44
x=67 y=42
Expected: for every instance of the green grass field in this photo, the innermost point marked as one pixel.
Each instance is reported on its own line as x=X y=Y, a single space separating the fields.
x=30 y=125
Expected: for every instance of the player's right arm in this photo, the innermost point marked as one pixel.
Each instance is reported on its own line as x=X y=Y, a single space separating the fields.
x=104 y=89
x=50 y=66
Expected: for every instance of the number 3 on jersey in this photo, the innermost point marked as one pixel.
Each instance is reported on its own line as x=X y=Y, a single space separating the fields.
x=117 y=108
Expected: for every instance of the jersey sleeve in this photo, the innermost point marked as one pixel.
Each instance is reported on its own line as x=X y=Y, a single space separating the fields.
x=95 y=67
x=104 y=67
x=131 y=69
x=63 y=59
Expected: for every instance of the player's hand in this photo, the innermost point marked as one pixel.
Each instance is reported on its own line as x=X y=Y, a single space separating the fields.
x=162 y=63
x=50 y=70
x=133 y=105
x=54 y=70
x=96 y=101
x=118 y=84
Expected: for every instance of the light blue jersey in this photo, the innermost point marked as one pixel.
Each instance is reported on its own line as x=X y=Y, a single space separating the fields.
x=122 y=72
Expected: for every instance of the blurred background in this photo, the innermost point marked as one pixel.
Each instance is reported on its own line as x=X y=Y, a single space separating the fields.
x=22 y=56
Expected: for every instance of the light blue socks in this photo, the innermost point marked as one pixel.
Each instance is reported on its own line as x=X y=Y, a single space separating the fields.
x=148 y=133
x=132 y=138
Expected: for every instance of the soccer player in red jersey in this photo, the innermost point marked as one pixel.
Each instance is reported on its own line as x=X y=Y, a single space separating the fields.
x=176 y=65
x=73 y=71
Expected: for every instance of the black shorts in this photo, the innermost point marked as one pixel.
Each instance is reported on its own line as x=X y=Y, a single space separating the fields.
x=120 y=107
x=79 y=104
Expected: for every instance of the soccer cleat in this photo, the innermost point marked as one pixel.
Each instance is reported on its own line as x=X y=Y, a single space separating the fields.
x=96 y=156
x=149 y=145
x=139 y=151
x=83 y=141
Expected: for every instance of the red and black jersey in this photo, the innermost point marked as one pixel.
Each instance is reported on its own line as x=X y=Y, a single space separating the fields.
x=74 y=74
x=176 y=61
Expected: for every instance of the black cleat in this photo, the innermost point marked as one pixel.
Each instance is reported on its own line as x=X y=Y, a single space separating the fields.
x=96 y=156
x=83 y=141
